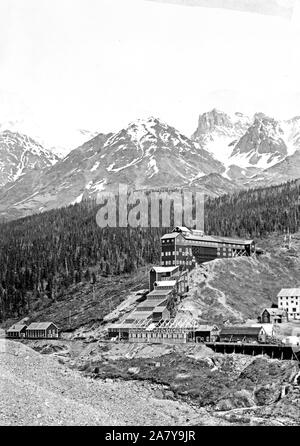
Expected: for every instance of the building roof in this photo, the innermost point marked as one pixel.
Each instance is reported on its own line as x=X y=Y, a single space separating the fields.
x=164 y=269
x=185 y=323
x=217 y=239
x=40 y=325
x=236 y=241
x=206 y=328
x=140 y=315
x=181 y=229
x=151 y=303
x=136 y=323
x=159 y=293
x=164 y=283
x=275 y=311
x=200 y=236
x=172 y=235
x=160 y=308
x=16 y=328
x=285 y=292
x=241 y=330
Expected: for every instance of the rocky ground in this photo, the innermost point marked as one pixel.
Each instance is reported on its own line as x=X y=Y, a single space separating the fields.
x=38 y=390
x=189 y=383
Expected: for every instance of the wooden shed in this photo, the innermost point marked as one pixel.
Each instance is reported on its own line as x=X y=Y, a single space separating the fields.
x=16 y=331
x=273 y=316
x=242 y=334
x=42 y=330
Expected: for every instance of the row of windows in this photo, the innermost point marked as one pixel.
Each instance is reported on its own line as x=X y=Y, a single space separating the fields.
x=169 y=262
x=184 y=262
x=287 y=304
x=170 y=253
x=215 y=244
x=157 y=335
x=229 y=254
x=290 y=297
x=185 y=250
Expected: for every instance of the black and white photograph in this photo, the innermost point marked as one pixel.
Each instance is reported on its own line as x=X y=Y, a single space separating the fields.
x=150 y=216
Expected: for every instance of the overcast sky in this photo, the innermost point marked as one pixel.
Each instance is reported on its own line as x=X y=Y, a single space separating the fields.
x=99 y=64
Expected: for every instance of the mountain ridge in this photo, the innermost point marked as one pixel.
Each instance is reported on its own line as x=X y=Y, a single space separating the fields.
x=150 y=153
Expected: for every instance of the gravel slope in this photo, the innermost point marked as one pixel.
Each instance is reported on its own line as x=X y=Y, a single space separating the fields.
x=36 y=390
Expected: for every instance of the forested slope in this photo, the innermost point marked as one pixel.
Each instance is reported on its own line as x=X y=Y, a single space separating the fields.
x=43 y=255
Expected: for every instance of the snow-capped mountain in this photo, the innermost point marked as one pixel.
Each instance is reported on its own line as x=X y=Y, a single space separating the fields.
x=285 y=170
x=247 y=146
x=60 y=142
x=20 y=154
x=148 y=153
x=218 y=132
x=151 y=153
x=262 y=145
x=291 y=130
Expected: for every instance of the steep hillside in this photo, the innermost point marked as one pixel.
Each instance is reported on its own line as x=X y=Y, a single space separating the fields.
x=43 y=256
x=238 y=289
x=19 y=155
x=282 y=171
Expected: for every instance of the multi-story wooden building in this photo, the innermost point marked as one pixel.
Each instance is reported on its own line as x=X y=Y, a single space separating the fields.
x=162 y=273
x=185 y=248
x=289 y=300
x=168 y=277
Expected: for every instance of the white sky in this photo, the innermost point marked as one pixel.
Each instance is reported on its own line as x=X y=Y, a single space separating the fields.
x=99 y=64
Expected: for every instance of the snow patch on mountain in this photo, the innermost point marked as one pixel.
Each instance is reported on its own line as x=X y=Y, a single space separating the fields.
x=238 y=140
x=95 y=166
x=19 y=154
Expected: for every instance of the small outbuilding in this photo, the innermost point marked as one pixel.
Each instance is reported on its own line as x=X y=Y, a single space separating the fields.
x=42 y=330
x=273 y=316
x=16 y=331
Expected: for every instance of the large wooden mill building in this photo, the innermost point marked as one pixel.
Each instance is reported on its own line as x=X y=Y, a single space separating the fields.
x=185 y=248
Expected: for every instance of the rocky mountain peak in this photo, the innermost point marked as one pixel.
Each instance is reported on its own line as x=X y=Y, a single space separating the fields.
x=262 y=144
x=20 y=154
x=212 y=119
